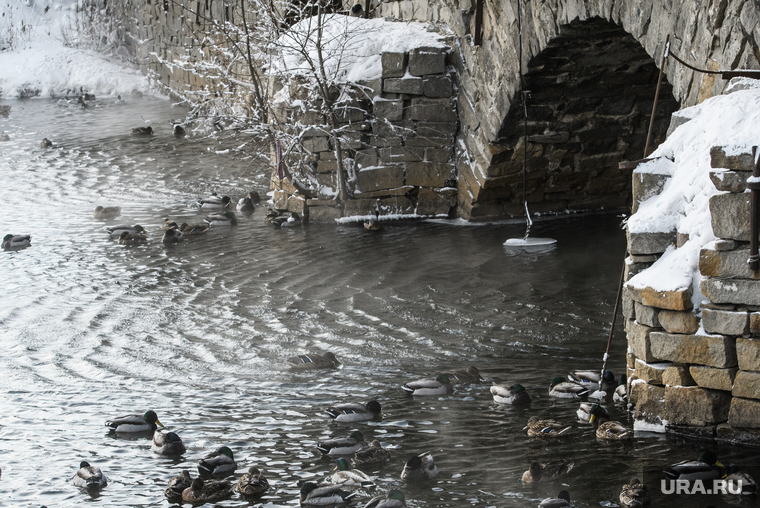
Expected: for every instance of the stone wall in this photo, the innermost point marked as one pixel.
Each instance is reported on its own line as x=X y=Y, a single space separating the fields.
x=701 y=376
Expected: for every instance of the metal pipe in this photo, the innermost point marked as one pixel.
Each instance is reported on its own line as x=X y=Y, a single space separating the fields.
x=657 y=93
x=479 y=22
x=754 y=185
x=612 y=326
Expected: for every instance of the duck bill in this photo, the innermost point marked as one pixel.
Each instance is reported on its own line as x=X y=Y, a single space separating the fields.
x=717 y=463
x=592 y=418
x=159 y=423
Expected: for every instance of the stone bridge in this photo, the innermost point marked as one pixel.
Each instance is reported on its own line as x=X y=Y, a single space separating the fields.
x=591 y=67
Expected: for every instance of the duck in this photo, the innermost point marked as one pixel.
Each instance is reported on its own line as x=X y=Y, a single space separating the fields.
x=147 y=422
x=106 y=212
x=587 y=408
x=254 y=196
x=178 y=131
x=547 y=428
x=371 y=454
x=177 y=485
x=4 y=136
x=606 y=428
x=207 y=491
x=736 y=477
x=252 y=483
x=89 y=477
x=634 y=494
x=218 y=463
x=470 y=375
x=355 y=412
x=419 y=468
x=562 y=389
x=546 y=471
x=168 y=444
x=706 y=467
x=286 y=221
x=245 y=205
x=342 y=445
x=172 y=236
x=143 y=131
x=5 y=111
x=169 y=224
x=132 y=238
x=193 y=229
x=271 y=214
x=441 y=385
x=116 y=231
x=214 y=202
x=394 y=499
x=46 y=143
x=16 y=242
x=620 y=395
x=515 y=394
x=591 y=379
x=225 y=219
x=350 y=478
x=561 y=501
x=313 y=361
x=313 y=495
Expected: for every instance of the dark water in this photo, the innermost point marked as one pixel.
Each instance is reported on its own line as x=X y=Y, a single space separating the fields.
x=92 y=329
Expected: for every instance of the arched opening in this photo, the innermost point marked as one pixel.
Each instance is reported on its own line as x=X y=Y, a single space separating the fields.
x=591 y=94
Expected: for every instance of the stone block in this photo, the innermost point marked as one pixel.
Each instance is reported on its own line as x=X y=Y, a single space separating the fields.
x=712 y=378
x=632 y=269
x=647 y=315
x=629 y=306
x=353 y=140
x=401 y=154
x=431 y=203
x=754 y=323
x=644 y=186
x=695 y=406
x=427 y=60
x=651 y=373
x=399 y=191
x=366 y=158
x=427 y=174
x=649 y=400
x=433 y=110
x=393 y=64
x=671 y=300
x=736 y=291
x=315 y=132
x=677 y=375
x=327 y=156
x=370 y=88
x=649 y=243
x=411 y=86
x=630 y=360
x=383 y=177
x=729 y=215
x=725 y=322
x=747 y=385
x=638 y=341
x=437 y=130
x=725 y=263
x=397 y=205
x=744 y=413
x=383 y=141
x=355 y=112
x=741 y=162
x=295 y=204
x=742 y=437
x=711 y=350
x=438 y=154
x=723 y=245
x=404 y=128
x=327 y=166
x=315 y=145
x=429 y=142
x=360 y=207
x=323 y=213
x=729 y=181
x=678 y=322
x=389 y=110
x=437 y=86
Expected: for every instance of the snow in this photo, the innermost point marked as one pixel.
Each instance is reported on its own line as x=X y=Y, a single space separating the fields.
x=642 y=426
x=658 y=366
x=41 y=60
x=731 y=121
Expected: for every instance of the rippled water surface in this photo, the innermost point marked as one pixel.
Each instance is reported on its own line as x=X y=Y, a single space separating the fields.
x=198 y=332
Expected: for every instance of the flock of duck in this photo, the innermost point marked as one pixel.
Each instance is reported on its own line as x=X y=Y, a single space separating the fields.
x=342 y=486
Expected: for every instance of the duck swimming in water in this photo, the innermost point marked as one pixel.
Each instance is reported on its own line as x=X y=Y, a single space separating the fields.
x=515 y=394
x=546 y=428
x=547 y=471
x=215 y=202
x=313 y=495
x=116 y=231
x=147 y=422
x=106 y=212
x=371 y=454
x=16 y=242
x=245 y=205
x=470 y=375
x=350 y=478
x=143 y=131
x=225 y=219
x=172 y=236
x=89 y=477
x=419 y=468
x=634 y=494
x=252 y=483
x=218 y=463
x=132 y=238
x=606 y=428
x=355 y=412
x=562 y=389
x=168 y=444
x=314 y=361
x=441 y=385
x=207 y=491
x=342 y=445
x=177 y=486
x=561 y=501
x=706 y=467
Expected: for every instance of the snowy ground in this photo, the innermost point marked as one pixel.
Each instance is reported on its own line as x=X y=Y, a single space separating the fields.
x=36 y=53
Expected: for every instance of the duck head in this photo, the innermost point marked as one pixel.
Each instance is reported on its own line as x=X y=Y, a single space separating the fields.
x=150 y=416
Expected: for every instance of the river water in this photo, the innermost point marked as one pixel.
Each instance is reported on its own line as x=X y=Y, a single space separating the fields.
x=199 y=332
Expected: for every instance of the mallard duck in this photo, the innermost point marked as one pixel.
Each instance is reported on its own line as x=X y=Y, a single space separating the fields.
x=4 y=136
x=16 y=242
x=271 y=214
x=707 y=467
x=177 y=485
x=350 y=478
x=193 y=229
x=736 y=478
x=214 y=202
x=168 y=444
x=132 y=238
x=606 y=428
x=304 y=362
x=514 y=394
x=218 y=463
x=342 y=445
x=561 y=501
x=634 y=495
x=143 y=131
x=106 y=212
x=419 y=468
x=254 y=196
x=355 y=412
x=225 y=219
x=178 y=131
x=46 y=143
x=591 y=379
x=116 y=231
x=89 y=477
x=172 y=236
x=371 y=454
x=441 y=385
x=372 y=225
x=587 y=408
x=547 y=428
x=147 y=422
x=252 y=483
x=5 y=111
x=471 y=375
x=562 y=389
x=169 y=224
x=394 y=499
x=245 y=205
x=314 y=495
x=620 y=396
x=282 y=221
x=207 y=491
x=546 y=471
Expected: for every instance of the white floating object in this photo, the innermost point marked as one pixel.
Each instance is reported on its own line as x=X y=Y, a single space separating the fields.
x=529 y=242
x=598 y=395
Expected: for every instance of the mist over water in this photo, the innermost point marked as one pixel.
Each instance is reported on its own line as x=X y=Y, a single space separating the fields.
x=199 y=332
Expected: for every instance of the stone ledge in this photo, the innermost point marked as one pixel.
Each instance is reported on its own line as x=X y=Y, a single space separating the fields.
x=712 y=378
x=736 y=291
x=748 y=352
x=747 y=385
x=647 y=315
x=730 y=216
x=638 y=340
x=649 y=243
x=725 y=322
x=719 y=159
x=677 y=375
x=725 y=263
x=710 y=350
x=730 y=181
x=744 y=413
x=670 y=300
x=651 y=373
x=678 y=322
x=690 y=406
x=745 y=437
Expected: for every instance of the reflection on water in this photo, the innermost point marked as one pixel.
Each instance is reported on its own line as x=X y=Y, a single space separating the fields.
x=199 y=332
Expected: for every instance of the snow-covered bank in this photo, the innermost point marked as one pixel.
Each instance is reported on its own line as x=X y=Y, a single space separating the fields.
x=35 y=55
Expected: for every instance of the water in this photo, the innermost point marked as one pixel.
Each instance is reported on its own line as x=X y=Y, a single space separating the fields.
x=199 y=332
